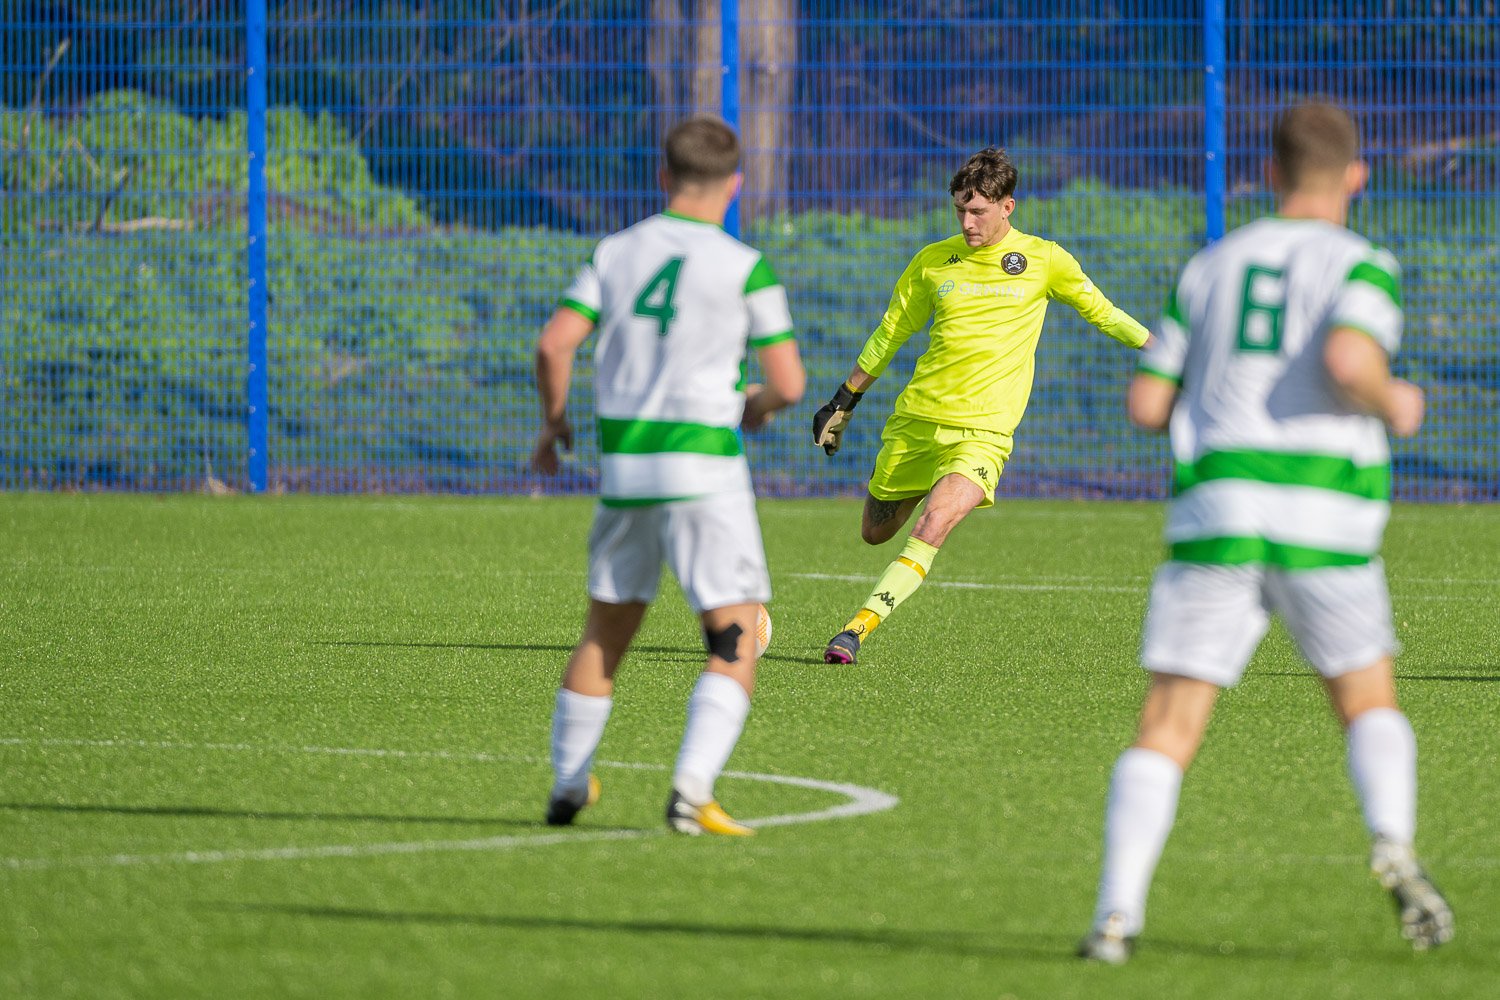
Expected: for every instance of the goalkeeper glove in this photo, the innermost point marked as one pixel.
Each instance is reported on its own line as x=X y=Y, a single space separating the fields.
x=829 y=422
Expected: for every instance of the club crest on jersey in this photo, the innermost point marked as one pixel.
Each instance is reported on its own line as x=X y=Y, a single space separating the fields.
x=1013 y=262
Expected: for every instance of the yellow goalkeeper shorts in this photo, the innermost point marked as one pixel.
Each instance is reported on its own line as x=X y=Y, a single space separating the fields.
x=915 y=454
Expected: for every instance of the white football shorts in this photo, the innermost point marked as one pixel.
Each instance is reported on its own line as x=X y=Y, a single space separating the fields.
x=1205 y=621
x=711 y=544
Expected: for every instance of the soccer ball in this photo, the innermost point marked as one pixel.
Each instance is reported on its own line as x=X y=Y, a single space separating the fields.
x=762 y=631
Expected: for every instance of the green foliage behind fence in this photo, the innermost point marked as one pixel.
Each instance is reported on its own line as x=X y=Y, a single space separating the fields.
x=132 y=371
x=123 y=157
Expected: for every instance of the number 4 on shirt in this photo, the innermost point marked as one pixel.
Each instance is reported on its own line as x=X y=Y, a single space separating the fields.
x=655 y=300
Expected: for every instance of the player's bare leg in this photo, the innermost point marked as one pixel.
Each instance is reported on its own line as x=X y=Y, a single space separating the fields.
x=607 y=633
x=949 y=502
x=1383 y=767
x=883 y=518
x=715 y=717
x=1142 y=807
x=583 y=705
x=1175 y=716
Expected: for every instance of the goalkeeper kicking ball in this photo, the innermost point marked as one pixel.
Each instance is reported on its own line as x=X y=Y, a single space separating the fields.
x=762 y=631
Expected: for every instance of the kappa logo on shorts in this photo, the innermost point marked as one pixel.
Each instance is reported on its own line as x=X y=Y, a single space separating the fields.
x=1013 y=262
x=983 y=474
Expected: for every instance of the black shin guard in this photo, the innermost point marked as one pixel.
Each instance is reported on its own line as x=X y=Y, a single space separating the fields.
x=724 y=644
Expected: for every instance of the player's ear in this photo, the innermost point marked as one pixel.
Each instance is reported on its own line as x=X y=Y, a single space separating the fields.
x=736 y=182
x=1356 y=175
x=1273 y=175
x=1006 y=207
x=666 y=180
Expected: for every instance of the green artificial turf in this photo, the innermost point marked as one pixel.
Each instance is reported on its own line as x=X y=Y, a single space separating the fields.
x=194 y=691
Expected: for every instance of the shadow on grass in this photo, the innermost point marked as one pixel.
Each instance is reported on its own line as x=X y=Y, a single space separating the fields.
x=1052 y=948
x=1229 y=951
x=208 y=812
x=674 y=654
x=1474 y=678
x=532 y=647
x=1038 y=947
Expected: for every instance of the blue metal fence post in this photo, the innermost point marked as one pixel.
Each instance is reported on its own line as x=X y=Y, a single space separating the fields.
x=1214 y=153
x=257 y=411
x=729 y=87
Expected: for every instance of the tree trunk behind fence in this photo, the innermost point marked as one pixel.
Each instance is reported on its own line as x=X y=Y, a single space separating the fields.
x=768 y=54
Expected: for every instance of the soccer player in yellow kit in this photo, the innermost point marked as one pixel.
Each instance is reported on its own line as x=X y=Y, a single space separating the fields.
x=986 y=291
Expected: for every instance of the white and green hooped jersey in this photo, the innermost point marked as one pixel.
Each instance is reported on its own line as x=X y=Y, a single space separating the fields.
x=676 y=300
x=1271 y=466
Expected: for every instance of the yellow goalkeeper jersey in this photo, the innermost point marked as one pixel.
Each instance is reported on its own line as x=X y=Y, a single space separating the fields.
x=986 y=305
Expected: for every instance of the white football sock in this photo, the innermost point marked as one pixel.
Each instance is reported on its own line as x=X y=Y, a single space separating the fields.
x=715 y=716
x=577 y=726
x=1383 y=767
x=1142 y=808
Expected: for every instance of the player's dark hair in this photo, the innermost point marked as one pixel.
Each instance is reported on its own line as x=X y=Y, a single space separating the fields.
x=703 y=148
x=988 y=172
x=1315 y=137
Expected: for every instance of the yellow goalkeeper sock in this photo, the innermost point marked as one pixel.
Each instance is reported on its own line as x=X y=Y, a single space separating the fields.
x=863 y=623
x=899 y=581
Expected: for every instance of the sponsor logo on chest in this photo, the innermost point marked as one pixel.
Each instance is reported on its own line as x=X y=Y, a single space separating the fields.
x=981 y=289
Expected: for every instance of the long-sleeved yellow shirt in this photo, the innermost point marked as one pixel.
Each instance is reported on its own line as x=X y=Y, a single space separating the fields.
x=986 y=305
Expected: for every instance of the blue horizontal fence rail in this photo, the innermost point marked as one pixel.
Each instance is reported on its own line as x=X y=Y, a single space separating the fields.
x=394 y=203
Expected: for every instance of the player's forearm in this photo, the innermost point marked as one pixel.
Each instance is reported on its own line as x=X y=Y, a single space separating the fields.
x=559 y=342
x=785 y=379
x=1149 y=401
x=1366 y=388
x=760 y=405
x=554 y=371
x=778 y=397
x=1123 y=327
x=859 y=380
x=878 y=351
x=1371 y=389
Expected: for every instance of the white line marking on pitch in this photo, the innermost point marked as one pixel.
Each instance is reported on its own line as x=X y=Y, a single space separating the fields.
x=322 y=851
x=862 y=802
x=1080 y=583
x=963 y=585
